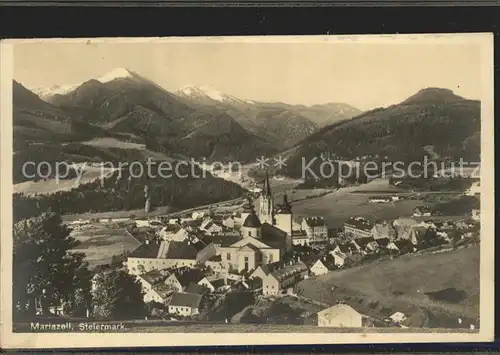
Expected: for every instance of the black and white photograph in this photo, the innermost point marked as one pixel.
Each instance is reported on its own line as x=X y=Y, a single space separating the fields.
x=247 y=190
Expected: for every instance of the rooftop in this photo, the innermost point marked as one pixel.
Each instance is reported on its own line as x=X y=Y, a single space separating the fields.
x=339 y=310
x=359 y=223
x=146 y=250
x=315 y=221
x=252 y=221
x=181 y=250
x=185 y=299
x=289 y=270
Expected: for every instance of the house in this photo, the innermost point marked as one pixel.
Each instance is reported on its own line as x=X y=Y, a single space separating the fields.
x=403 y=246
x=379 y=199
x=300 y=237
x=340 y=316
x=421 y=211
x=358 y=227
x=229 y=222
x=476 y=214
x=383 y=230
x=161 y=255
x=185 y=276
x=339 y=258
x=185 y=304
x=321 y=267
x=154 y=286
x=408 y=229
x=197 y=288
x=398 y=317
x=366 y=244
x=198 y=214
x=315 y=228
x=212 y=227
x=383 y=242
x=181 y=235
x=168 y=232
x=282 y=278
x=220 y=285
x=346 y=248
x=263 y=270
x=391 y=246
x=207 y=284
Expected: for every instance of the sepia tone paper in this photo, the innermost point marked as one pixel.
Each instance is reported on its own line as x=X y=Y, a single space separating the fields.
x=366 y=71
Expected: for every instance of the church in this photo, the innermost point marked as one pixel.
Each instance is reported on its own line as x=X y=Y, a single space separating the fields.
x=264 y=238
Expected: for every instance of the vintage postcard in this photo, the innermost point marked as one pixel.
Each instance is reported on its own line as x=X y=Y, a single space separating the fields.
x=247 y=190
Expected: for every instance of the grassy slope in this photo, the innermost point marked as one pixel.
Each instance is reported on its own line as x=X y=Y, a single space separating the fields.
x=411 y=275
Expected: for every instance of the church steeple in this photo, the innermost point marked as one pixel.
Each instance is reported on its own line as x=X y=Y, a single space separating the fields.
x=266 y=203
x=285 y=207
x=267 y=186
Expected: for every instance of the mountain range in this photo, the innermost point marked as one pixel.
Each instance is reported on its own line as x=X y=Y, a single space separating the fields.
x=434 y=122
x=200 y=121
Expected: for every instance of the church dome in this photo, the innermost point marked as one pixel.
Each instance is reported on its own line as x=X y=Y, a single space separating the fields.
x=252 y=221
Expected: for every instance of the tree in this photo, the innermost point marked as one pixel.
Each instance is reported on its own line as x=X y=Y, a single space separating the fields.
x=117 y=295
x=43 y=267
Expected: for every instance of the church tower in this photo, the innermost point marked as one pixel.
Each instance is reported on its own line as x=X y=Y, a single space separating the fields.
x=266 y=203
x=284 y=220
x=248 y=208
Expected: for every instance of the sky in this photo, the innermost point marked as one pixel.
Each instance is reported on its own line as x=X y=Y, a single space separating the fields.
x=364 y=74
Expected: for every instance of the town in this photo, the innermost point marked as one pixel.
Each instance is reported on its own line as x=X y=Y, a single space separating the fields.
x=259 y=253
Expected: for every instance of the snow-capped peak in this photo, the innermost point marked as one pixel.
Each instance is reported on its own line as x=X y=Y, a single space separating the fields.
x=47 y=92
x=117 y=73
x=203 y=92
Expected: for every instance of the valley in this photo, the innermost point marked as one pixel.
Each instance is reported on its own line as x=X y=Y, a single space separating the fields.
x=236 y=236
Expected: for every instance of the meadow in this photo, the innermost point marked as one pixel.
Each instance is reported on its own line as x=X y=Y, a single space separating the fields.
x=434 y=289
x=101 y=241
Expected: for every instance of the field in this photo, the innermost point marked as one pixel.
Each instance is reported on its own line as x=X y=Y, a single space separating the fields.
x=435 y=289
x=101 y=241
x=114 y=143
x=339 y=205
x=139 y=213
x=50 y=186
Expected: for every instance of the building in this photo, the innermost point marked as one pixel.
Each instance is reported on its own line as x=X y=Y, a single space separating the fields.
x=158 y=255
x=258 y=243
x=398 y=317
x=340 y=316
x=379 y=199
x=283 y=277
x=383 y=230
x=321 y=267
x=358 y=227
x=421 y=211
x=168 y=232
x=185 y=304
x=229 y=222
x=407 y=229
x=339 y=259
x=367 y=244
x=402 y=246
x=315 y=228
x=266 y=209
x=198 y=214
x=154 y=287
x=213 y=227
x=300 y=237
